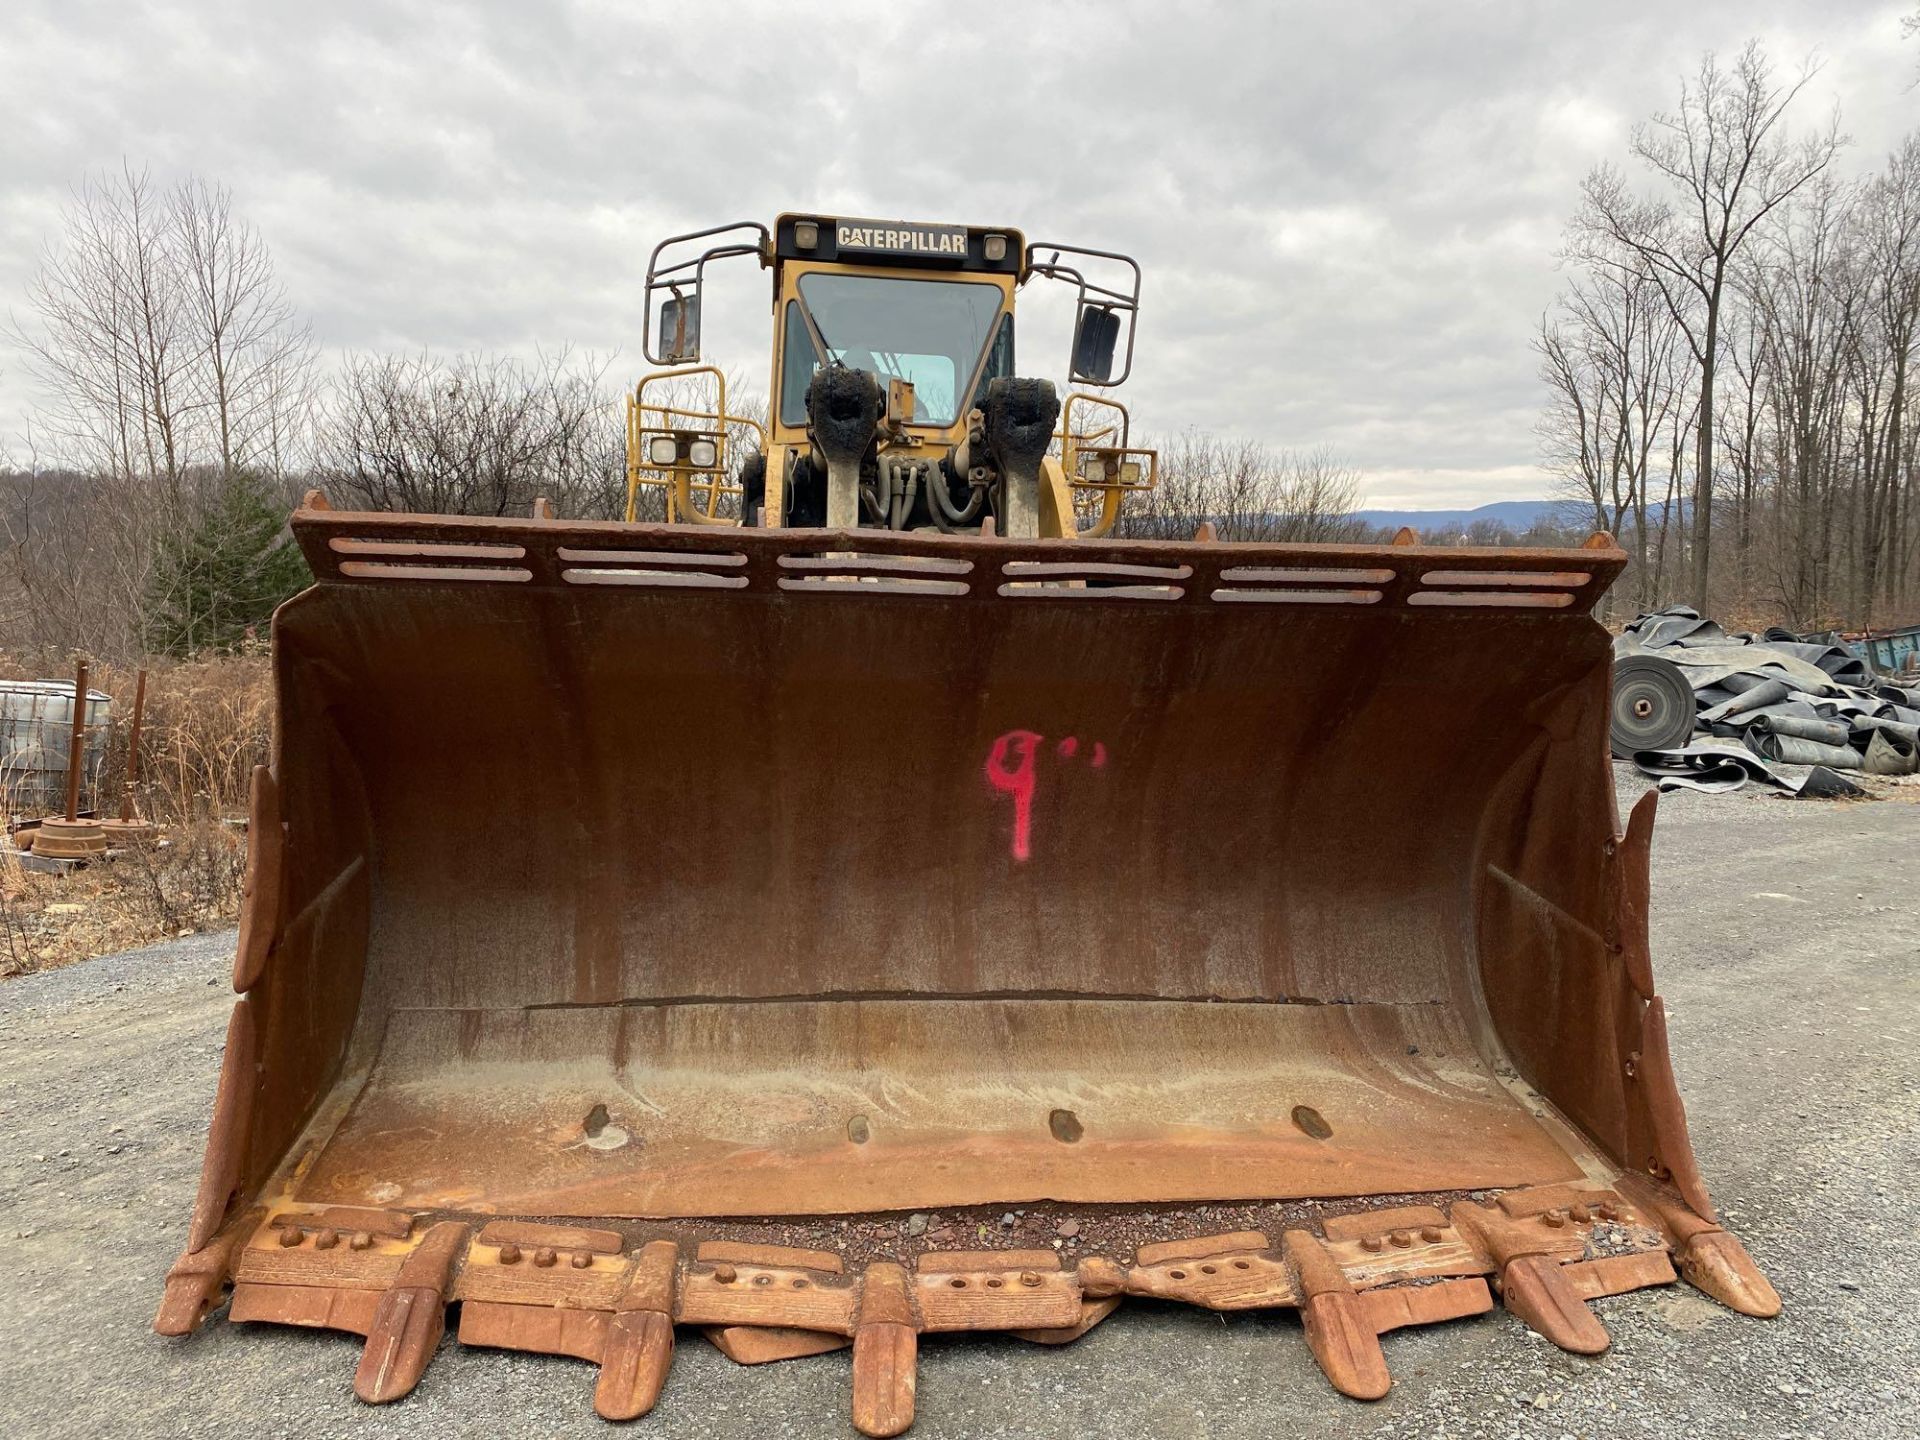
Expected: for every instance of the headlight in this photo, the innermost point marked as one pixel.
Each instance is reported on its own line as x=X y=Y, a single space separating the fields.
x=703 y=455
x=662 y=450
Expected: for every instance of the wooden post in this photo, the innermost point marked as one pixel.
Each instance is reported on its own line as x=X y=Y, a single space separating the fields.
x=67 y=836
x=133 y=746
x=77 y=747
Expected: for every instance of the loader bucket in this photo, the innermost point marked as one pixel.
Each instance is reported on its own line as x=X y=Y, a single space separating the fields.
x=840 y=936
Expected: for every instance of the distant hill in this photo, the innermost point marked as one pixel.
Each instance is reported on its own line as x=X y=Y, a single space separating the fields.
x=1516 y=515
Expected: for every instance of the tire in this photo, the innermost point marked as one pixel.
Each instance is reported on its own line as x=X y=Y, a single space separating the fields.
x=1652 y=706
x=753 y=486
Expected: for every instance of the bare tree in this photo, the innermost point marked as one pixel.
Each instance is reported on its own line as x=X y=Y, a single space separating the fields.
x=170 y=367
x=473 y=435
x=1889 y=221
x=1724 y=166
x=1607 y=356
x=252 y=367
x=108 y=351
x=162 y=342
x=1803 y=287
x=1247 y=491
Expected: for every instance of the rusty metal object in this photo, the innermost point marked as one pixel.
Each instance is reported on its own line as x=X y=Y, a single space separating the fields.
x=129 y=828
x=1103 y=809
x=58 y=839
x=68 y=837
x=410 y=1317
x=77 y=744
x=262 y=893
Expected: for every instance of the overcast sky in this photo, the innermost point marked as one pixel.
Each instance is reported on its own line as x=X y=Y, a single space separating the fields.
x=1347 y=213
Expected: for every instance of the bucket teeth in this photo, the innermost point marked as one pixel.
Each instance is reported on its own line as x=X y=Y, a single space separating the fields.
x=634 y=1369
x=885 y=1353
x=885 y=1361
x=1538 y=1290
x=410 y=1318
x=197 y=1278
x=406 y=1331
x=1346 y=1348
x=1543 y=1242
x=1717 y=1263
x=1343 y=1330
x=1548 y=1250
x=1344 y=1326
x=1712 y=1260
x=639 y=1345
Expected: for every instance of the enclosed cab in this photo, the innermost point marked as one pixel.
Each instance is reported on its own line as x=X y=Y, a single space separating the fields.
x=895 y=400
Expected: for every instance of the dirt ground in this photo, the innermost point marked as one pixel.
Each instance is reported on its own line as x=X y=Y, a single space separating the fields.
x=1787 y=941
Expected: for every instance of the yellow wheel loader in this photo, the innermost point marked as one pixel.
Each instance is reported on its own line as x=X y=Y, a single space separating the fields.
x=874 y=904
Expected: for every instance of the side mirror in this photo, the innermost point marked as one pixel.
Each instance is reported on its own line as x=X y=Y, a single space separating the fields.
x=679 y=329
x=1095 y=336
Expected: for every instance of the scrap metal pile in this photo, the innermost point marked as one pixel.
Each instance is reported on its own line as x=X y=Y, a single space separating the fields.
x=1702 y=709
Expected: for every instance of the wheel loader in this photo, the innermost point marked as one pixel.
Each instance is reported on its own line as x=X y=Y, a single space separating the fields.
x=877 y=902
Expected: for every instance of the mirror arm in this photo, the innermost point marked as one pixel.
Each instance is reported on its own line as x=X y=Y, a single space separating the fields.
x=1117 y=301
x=671 y=277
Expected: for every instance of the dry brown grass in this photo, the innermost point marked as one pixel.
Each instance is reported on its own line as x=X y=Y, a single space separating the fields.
x=207 y=725
x=188 y=881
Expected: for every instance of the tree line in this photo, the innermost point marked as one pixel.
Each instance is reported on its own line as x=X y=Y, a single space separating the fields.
x=1730 y=365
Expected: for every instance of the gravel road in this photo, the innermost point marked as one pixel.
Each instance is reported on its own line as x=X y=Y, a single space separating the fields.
x=1787 y=940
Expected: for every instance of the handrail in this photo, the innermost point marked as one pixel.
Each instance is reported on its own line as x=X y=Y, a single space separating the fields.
x=1114 y=459
x=682 y=479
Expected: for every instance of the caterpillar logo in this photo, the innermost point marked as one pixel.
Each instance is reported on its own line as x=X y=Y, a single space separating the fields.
x=893 y=237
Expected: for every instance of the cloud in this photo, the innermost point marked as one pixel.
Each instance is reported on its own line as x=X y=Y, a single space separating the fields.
x=1347 y=216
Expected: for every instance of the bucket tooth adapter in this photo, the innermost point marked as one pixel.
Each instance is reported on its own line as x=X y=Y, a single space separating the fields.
x=730 y=927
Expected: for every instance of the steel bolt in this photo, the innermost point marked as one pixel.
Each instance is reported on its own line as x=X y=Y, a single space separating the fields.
x=1401 y=1239
x=509 y=1254
x=1431 y=1235
x=1580 y=1214
x=359 y=1240
x=1607 y=1212
x=290 y=1236
x=1373 y=1244
x=325 y=1239
x=1555 y=1218
x=544 y=1257
x=581 y=1259
x=725 y=1274
x=1027 y=1277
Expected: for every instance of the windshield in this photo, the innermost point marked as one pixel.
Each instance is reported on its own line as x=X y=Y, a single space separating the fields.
x=929 y=332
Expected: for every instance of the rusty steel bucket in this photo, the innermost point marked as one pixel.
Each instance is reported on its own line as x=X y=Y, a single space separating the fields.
x=826 y=936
